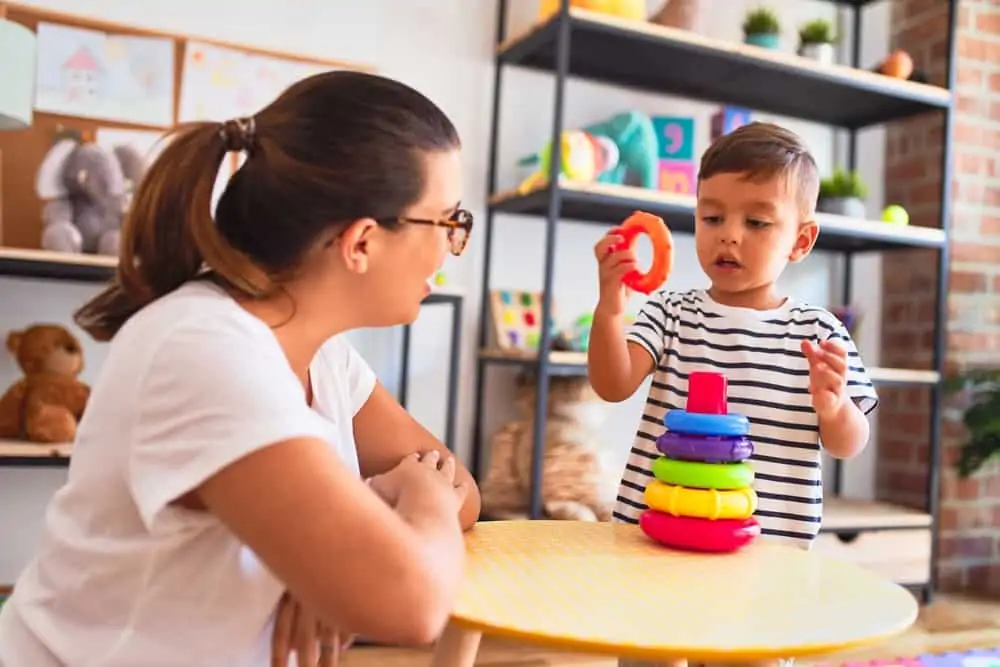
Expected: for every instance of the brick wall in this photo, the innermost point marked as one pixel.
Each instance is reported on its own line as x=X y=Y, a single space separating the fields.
x=970 y=509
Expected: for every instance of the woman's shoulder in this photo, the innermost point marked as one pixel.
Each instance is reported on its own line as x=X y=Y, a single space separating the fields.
x=197 y=319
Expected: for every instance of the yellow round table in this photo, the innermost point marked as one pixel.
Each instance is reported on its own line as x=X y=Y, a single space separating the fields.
x=606 y=588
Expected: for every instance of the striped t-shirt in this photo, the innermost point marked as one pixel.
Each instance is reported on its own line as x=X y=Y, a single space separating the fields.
x=760 y=354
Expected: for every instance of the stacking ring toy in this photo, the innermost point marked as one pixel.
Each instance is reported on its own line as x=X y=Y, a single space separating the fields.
x=663 y=250
x=698 y=475
x=696 y=423
x=702 y=503
x=682 y=532
x=704 y=448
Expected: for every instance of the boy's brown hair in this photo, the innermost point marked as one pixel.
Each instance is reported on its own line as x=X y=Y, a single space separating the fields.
x=763 y=151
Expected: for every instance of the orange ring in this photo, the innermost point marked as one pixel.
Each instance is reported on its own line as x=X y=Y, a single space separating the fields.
x=652 y=226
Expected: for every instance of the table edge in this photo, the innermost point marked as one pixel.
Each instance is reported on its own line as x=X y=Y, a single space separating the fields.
x=635 y=653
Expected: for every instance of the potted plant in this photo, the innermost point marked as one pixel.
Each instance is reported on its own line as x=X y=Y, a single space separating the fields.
x=844 y=194
x=816 y=40
x=761 y=27
x=981 y=417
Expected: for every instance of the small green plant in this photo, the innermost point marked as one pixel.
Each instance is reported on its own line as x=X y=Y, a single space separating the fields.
x=981 y=390
x=843 y=184
x=817 y=31
x=761 y=21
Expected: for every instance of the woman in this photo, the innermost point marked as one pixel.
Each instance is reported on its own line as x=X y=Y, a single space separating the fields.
x=221 y=458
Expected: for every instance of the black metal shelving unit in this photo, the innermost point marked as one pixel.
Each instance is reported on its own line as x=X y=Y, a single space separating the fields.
x=17 y=263
x=578 y=44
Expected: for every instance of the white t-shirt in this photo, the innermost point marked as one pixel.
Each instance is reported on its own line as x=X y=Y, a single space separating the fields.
x=122 y=578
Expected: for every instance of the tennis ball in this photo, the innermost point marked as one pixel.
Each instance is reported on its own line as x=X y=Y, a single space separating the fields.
x=896 y=214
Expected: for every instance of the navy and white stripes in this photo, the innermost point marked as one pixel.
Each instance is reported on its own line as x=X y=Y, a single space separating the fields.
x=768 y=376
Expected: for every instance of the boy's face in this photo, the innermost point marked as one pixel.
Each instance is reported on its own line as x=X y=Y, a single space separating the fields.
x=746 y=232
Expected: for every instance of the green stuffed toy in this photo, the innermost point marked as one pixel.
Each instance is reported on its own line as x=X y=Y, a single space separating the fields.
x=635 y=136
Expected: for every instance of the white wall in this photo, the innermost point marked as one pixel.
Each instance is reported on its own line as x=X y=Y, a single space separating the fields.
x=444 y=48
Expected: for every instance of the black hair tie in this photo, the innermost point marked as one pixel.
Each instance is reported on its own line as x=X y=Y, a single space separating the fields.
x=239 y=135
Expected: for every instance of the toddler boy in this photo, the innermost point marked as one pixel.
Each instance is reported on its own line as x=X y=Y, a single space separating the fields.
x=792 y=368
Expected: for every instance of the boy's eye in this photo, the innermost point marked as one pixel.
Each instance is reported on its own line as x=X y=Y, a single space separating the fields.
x=757 y=223
x=712 y=219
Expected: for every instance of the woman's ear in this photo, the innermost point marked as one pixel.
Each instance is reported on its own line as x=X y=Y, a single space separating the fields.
x=355 y=244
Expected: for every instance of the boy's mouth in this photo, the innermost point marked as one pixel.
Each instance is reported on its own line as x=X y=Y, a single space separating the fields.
x=727 y=262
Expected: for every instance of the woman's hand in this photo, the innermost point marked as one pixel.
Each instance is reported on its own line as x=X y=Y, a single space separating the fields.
x=419 y=468
x=297 y=629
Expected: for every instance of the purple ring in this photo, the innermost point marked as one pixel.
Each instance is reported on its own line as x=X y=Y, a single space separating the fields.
x=708 y=449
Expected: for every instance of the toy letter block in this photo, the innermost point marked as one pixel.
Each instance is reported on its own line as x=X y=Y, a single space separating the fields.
x=677 y=176
x=675 y=135
x=728 y=119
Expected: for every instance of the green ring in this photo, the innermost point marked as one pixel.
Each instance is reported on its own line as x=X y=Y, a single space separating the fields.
x=698 y=475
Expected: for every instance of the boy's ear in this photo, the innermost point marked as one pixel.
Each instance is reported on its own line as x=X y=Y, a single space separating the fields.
x=804 y=241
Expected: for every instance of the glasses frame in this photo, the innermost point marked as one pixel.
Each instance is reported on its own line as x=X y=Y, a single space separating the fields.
x=459 y=219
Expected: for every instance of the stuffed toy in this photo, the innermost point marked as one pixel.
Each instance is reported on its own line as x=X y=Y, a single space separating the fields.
x=579 y=480
x=87 y=190
x=46 y=404
x=634 y=10
x=638 y=149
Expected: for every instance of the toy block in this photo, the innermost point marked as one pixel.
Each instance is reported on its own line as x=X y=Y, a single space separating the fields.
x=675 y=136
x=728 y=119
x=677 y=176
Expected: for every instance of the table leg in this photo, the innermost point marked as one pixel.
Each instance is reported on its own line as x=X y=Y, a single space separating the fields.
x=457 y=647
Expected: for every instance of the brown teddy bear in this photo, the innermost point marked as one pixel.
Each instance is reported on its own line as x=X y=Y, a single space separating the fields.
x=46 y=404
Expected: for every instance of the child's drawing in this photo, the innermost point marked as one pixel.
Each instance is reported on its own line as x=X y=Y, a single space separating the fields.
x=90 y=74
x=218 y=83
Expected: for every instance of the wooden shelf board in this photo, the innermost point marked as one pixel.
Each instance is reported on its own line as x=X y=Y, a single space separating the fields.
x=28 y=263
x=567 y=360
x=631 y=54
x=15 y=452
x=843 y=515
x=610 y=204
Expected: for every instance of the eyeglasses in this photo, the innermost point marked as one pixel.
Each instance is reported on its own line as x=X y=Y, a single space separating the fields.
x=459 y=226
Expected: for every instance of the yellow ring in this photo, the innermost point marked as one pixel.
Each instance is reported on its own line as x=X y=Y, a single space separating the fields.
x=701 y=503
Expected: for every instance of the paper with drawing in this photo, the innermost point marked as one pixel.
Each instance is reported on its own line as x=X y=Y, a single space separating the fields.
x=90 y=74
x=218 y=83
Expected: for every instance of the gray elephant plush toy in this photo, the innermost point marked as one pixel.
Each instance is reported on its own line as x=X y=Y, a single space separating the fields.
x=86 y=190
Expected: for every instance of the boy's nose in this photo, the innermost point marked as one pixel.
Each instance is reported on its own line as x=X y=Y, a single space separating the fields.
x=730 y=232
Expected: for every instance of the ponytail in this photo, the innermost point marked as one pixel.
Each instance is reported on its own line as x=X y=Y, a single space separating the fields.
x=169 y=235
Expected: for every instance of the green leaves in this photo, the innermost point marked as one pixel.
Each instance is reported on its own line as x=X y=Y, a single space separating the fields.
x=981 y=417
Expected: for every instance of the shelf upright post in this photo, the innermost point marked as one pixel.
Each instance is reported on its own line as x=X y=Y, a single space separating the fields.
x=941 y=298
x=484 y=296
x=562 y=26
x=847 y=286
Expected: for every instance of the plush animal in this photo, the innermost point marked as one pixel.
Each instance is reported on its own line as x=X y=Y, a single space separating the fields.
x=621 y=150
x=46 y=404
x=87 y=190
x=583 y=157
x=638 y=149
x=578 y=483
x=634 y=10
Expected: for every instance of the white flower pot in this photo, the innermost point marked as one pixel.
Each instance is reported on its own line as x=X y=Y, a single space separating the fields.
x=850 y=207
x=824 y=53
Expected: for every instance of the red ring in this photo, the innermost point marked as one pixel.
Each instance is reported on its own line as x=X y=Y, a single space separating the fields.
x=694 y=534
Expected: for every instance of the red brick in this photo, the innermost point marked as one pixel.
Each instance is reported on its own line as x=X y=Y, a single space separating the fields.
x=989 y=225
x=966 y=281
x=977 y=253
x=988 y=20
x=974 y=47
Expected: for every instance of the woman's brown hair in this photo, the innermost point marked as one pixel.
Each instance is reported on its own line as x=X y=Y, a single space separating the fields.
x=333 y=148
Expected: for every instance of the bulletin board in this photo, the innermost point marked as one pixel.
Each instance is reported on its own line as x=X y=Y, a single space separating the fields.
x=185 y=77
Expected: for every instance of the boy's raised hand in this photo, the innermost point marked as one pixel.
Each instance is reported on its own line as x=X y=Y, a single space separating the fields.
x=612 y=265
x=827 y=375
